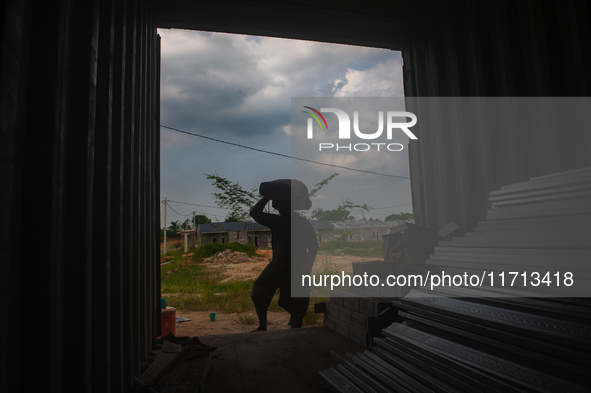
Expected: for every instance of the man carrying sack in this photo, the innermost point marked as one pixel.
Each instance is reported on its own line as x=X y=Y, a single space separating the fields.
x=298 y=250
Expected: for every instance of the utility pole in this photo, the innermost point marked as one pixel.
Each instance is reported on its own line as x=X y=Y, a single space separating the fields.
x=165 y=203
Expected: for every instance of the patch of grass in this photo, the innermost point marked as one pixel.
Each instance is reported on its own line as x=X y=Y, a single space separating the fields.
x=326 y=266
x=191 y=286
x=311 y=317
x=274 y=306
x=194 y=287
x=360 y=249
x=323 y=267
x=173 y=252
x=246 y=320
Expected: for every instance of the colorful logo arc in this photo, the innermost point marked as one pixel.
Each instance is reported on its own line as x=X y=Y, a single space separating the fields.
x=315 y=117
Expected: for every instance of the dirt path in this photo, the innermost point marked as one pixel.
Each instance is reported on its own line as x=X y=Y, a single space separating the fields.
x=171 y=241
x=200 y=325
x=251 y=270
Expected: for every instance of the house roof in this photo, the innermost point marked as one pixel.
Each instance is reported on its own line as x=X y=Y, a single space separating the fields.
x=322 y=225
x=231 y=226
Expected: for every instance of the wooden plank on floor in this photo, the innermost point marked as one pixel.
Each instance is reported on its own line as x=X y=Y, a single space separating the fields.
x=505 y=370
x=365 y=388
x=543 y=212
x=536 y=193
x=567 y=333
x=558 y=222
x=418 y=374
x=370 y=367
x=530 y=232
x=401 y=377
x=511 y=251
x=360 y=373
x=578 y=270
x=540 y=242
x=339 y=382
x=573 y=178
x=446 y=370
x=478 y=334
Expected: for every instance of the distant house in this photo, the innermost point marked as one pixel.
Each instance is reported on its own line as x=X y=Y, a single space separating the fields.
x=229 y=232
x=354 y=230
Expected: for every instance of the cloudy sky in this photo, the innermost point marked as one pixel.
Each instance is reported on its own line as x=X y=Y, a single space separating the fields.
x=239 y=89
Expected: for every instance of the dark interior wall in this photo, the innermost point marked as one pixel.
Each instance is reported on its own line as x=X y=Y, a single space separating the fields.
x=494 y=49
x=374 y=23
x=79 y=104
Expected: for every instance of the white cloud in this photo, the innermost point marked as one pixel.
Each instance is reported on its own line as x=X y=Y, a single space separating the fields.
x=383 y=80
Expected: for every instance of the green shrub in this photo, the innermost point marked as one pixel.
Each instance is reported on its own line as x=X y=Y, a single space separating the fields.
x=246 y=320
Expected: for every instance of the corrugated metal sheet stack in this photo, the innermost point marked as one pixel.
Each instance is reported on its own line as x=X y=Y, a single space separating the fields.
x=466 y=339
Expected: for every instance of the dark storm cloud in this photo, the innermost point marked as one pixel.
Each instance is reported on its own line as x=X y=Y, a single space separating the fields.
x=223 y=84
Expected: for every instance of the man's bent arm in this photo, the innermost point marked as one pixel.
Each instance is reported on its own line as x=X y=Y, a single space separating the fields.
x=257 y=212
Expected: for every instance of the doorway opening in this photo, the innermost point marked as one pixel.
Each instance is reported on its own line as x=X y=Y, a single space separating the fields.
x=226 y=127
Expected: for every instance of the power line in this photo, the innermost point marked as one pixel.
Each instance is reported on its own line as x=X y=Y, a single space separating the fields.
x=184 y=215
x=390 y=207
x=281 y=155
x=187 y=215
x=380 y=208
x=195 y=204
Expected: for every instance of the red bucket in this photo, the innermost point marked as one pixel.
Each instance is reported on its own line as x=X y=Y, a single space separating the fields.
x=168 y=320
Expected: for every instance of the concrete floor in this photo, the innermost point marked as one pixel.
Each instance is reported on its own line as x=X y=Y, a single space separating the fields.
x=274 y=361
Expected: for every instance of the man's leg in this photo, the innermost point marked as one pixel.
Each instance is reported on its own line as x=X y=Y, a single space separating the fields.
x=296 y=322
x=296 y=307
x=263 y=291
x=299 y=311
x=261 y=309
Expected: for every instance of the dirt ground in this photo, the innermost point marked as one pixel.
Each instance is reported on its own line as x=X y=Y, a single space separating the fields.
x=171 y=241
x=200 y=325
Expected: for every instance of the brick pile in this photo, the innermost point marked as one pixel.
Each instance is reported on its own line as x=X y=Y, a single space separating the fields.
x=358 y=318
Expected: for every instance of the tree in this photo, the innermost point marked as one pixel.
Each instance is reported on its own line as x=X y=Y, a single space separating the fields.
x=201 y=219
x=186 y=224
x=341 y=213
x=321 y=184
x=347 y=204
x=334 y=215
x=400 y=216
x=231 y=218
x=175 y=226
x=234 y=197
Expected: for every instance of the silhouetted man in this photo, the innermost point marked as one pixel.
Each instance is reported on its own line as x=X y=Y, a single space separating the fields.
x=300 y=250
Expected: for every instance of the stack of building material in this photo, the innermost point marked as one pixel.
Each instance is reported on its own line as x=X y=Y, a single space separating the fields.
x=494 y=338
x=359 y=318
x=405 y=251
